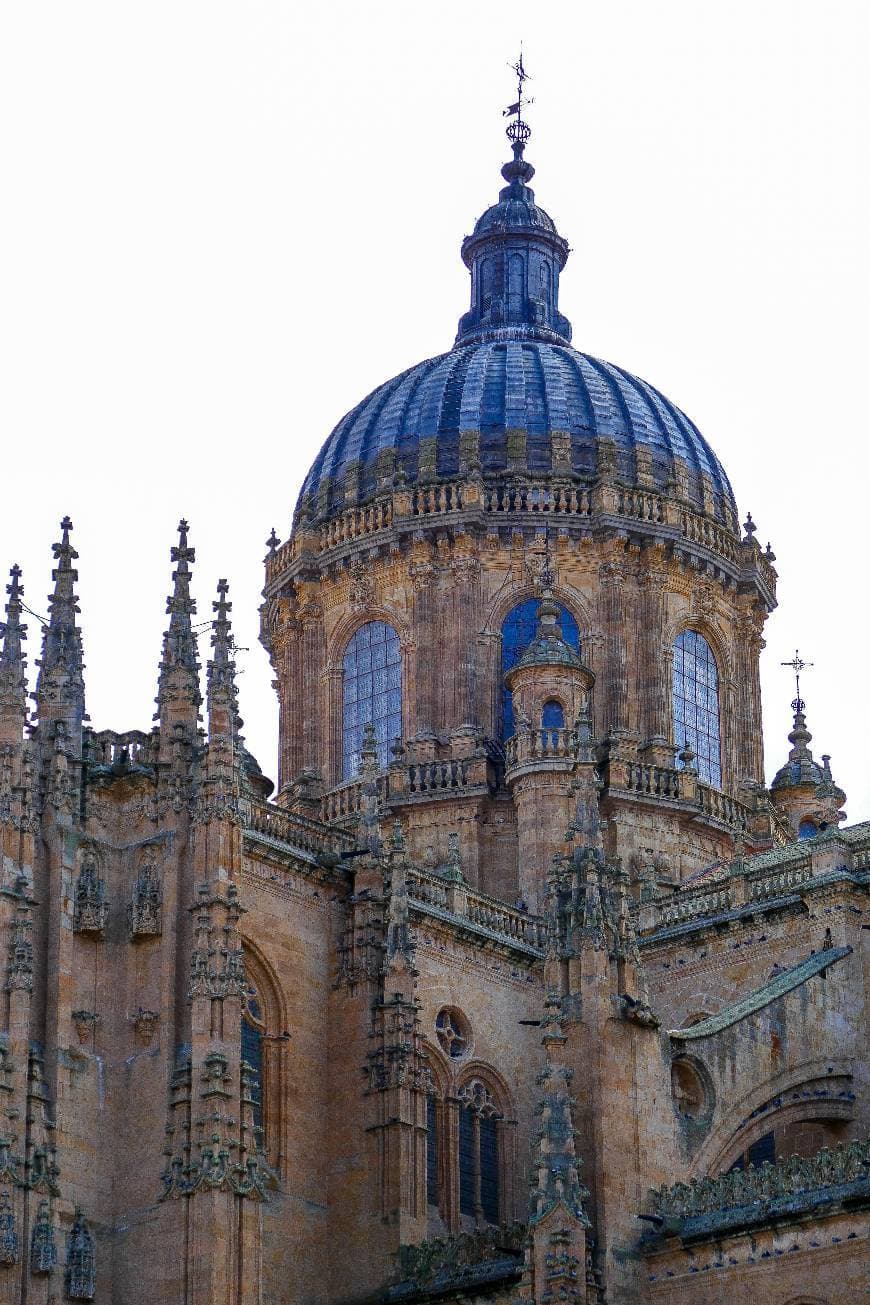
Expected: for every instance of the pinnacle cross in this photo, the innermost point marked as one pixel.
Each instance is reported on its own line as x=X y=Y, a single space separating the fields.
x=222 y=667
x=797 y=664
x=61 y=681
x=13 y=691
x=179 y=669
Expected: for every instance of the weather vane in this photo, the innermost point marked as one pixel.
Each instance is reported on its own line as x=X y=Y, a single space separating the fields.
x=797 y=664
x=518 y=131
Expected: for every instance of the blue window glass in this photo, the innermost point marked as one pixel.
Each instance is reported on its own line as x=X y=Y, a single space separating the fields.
x=431 y=1151
x=252 y=1052
x=466 y=1162
x=489 y=1193
x=372 y=693
x=553 y=717
x=518 y=630
x=807 y=829
x=696 y=704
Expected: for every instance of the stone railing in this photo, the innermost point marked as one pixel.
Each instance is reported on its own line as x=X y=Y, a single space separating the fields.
x=721 y=806
x=544 y=743
x=778 y=883
x=545 y=496
x=295 y=830
x=658 y=781
x=508 y=497
x=356 y=523
x=641 y=505
x=109 y=748
x=455 y=1260
x=437 y=776
x=435 y=499
x=829 y=1168
x=480 y=910
x=694 y=904
x=506 y=920
x=701 y=530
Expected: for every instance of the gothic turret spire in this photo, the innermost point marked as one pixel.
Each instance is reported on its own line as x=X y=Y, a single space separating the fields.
x=222 y=693
x=13 y=685
x=60 y=687
x=178 y=695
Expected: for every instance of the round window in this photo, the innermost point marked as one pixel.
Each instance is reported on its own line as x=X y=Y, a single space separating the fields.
x=453 y=1032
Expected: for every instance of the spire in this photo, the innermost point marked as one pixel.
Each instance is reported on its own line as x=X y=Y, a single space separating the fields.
x=556 y=1170
x=178 y=695
x=515 y=253
x=13 y=685
x=222 y=694
x=60 y=687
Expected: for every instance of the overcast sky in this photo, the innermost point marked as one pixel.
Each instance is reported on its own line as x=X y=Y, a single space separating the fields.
x=223 y=224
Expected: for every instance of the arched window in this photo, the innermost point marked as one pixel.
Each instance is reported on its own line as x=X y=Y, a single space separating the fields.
x=372 y=693
x=479 y=1161
x=432 y=1184
x=518 y=630
x=696 y=704
x=252 y=1056
x=807 y=829
x=553 y=716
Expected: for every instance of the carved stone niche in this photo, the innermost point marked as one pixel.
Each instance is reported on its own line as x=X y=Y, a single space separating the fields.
x=91 y=906
x=144 y=909
x=691 y=1090
x=145 y=1024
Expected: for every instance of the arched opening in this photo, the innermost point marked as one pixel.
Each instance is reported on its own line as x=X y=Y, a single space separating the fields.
x=807 y=829
x=479 y=1159
x=553 y=715
x=696 y=704
x=263 y=1040
x=371 y=693
x=518 y=629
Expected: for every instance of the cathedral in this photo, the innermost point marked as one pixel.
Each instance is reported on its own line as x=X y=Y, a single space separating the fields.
x=519 y=985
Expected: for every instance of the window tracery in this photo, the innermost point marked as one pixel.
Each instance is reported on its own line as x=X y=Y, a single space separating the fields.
x=372 y=693
x=696 y=704
x=479 y=1161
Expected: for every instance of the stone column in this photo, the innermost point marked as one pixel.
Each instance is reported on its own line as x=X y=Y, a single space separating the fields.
x=466 y=590
x=311 y=707
x=423 y=579
x=612 y=576
x=749 y=742
x=653 y=666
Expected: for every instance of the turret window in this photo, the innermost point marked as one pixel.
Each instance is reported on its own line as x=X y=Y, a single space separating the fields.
x=518 y=630
x=372 y=692
x=553 y=716
x=696 y=704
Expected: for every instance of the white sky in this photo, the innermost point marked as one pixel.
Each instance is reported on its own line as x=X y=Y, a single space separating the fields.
x=223 y=224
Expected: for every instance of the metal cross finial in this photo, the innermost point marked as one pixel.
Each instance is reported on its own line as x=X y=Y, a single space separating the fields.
x=797 y=664
x=518 y=131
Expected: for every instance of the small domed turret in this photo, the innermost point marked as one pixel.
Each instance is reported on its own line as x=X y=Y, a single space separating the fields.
x=803 y=790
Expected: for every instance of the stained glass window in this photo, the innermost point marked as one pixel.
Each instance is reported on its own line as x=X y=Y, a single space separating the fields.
x=372 y=692
x=696 y=704
x=252 y=1052
x=518 y=630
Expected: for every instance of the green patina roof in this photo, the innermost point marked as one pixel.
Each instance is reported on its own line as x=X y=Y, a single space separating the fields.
x=777 y=987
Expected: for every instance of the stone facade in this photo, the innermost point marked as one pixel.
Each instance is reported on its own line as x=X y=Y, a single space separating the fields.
x=571 y=1010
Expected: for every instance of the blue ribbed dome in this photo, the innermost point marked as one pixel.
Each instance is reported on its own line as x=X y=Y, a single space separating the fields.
x=512 y=374
x=497 y=388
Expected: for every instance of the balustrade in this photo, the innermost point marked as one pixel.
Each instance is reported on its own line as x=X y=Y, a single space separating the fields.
x=658 y=781
x=109 y=748
x=542 y=743
x=296 y=830
x=437 y=776
x=831 y=1167
x=428 y=500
